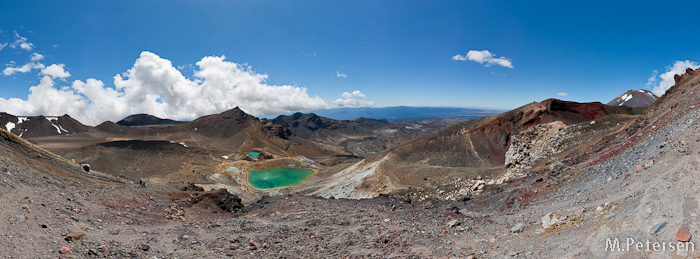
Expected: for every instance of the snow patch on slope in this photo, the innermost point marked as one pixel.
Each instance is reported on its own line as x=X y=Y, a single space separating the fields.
x=181 y=143
x=57 y=129
x=59 y=125
x=9 y=126
x=626 y=97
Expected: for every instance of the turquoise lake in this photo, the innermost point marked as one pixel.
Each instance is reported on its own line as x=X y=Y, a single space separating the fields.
x=253 y=154
x=278 y=177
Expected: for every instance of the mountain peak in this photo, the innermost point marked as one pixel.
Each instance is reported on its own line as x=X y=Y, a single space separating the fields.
x=634 y=98
x=145 y=119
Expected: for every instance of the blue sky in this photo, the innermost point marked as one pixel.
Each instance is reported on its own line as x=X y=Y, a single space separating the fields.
x=320 y=54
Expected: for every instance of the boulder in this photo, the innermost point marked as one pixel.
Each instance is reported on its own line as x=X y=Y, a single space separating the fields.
x=550 y=220
x=517 y=228
x=557 y=166
x=230 y=202
x=453 y=223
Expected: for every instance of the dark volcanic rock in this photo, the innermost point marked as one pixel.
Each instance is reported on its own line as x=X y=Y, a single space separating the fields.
x=221 y=198
x=230 y=202
x=146 y=119
x=223 y=125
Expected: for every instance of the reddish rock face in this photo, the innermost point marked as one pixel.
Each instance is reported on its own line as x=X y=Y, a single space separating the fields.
x=683 y=234
x=484 y=141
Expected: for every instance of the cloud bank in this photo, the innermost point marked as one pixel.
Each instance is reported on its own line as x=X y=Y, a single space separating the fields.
x=154 y=86
x=354 y=99
x=660 y=83
x=484 y=56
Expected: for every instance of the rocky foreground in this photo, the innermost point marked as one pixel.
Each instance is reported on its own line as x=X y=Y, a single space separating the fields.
x=645 y=193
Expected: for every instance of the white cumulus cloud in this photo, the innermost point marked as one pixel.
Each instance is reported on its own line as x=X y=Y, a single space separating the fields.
x=354 y=99
x=22 y=43
x=562 y=94
x=55 y=71
x=36 y=57
x=661 y=83
x=484 y=56
x=339 y=75
x=154 y=86
x=10 y=70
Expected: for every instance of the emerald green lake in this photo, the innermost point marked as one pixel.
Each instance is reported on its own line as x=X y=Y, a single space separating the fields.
x=253 y=154
x=278 y=177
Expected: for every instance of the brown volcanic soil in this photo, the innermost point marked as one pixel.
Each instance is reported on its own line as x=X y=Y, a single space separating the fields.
x=358 y=138
x=191 y=151
x=188 y=151
x=134 y=159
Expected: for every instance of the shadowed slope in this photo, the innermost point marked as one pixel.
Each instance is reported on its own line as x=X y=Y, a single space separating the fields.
x=27 y=154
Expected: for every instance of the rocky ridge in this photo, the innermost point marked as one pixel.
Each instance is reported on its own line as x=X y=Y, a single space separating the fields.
x=35 y=126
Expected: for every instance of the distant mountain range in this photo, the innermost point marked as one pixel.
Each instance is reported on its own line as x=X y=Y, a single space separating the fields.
x=399 y=113
x=312 y=126
x=34 y=126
